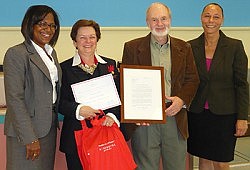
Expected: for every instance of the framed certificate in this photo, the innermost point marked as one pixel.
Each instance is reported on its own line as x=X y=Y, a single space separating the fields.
x=142 y=94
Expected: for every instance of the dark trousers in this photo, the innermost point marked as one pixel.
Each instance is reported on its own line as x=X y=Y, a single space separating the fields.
x=73 y=162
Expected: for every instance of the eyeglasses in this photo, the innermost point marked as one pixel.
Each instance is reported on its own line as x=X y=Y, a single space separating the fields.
x=45 y=25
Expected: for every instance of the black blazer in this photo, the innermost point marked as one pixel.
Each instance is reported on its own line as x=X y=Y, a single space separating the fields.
x=67 y=106
x=225 y=86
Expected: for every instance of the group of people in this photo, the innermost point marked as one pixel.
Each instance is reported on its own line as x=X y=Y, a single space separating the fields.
x=205 y=82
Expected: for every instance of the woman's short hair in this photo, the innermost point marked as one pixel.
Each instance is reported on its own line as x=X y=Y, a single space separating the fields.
x=35 y=14
x=216 y=4
x=85 y=23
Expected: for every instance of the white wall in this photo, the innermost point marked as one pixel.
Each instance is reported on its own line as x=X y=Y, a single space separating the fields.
x=113 y=38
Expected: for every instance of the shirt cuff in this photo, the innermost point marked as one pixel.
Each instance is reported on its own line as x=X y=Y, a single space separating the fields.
x=78 y=116
x=114 y=117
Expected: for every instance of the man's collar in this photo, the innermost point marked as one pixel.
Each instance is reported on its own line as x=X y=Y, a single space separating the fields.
x=154 y=41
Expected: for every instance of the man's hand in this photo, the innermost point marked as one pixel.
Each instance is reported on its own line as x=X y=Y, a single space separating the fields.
x=175 y=107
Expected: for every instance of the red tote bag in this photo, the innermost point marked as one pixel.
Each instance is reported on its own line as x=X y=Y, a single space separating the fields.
x=103 y=148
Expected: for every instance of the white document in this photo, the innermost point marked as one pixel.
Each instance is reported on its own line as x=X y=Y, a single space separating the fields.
x=98 y=93
x=143 y=94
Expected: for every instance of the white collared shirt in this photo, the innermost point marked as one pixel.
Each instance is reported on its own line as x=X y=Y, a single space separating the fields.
x=77 y=59
x=50 y=65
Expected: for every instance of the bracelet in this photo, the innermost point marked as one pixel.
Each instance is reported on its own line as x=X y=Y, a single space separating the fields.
x=34 y=141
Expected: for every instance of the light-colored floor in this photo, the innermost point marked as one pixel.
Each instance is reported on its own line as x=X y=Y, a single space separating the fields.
x=241 y=158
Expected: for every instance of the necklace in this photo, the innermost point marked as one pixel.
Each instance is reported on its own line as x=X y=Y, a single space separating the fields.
x=88 y=69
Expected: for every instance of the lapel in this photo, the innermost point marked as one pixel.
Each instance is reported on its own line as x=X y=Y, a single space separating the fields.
x=177 y=58
x=102 y=68
x=219 y=54
x=198 y=47
x=144 y=53
x=36 y=59
x=177 y=53
x=58 y=67
x=79 y=74
x=200 y=55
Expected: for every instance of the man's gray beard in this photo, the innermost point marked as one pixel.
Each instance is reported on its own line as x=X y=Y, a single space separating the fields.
x=160 y=34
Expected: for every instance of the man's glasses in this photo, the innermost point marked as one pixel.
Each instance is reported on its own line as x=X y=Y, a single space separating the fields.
x=45 y=25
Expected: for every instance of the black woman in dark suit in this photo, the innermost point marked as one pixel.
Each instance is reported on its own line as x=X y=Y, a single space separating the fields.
x=218 y=113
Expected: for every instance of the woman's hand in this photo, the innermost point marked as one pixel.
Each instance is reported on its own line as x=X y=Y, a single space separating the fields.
x=241 y=127
x=108 y=121
x=88 y=112
x=33 y=150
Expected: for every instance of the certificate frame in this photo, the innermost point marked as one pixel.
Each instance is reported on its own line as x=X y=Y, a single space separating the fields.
x=146 y=114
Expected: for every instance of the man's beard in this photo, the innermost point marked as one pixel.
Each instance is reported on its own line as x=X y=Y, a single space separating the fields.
x=160 y=34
